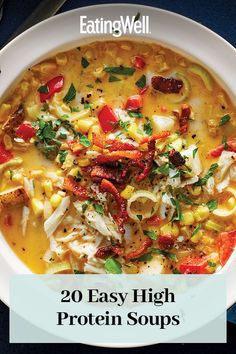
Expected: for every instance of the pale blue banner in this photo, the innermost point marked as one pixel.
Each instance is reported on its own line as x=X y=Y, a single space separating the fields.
x=118 y=309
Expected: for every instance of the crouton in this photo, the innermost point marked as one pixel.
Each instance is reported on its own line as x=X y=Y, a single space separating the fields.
x=14 y=121
x=13 y=196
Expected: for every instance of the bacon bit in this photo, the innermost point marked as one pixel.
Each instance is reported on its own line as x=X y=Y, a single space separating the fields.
x=14 y=121
x=155 y=220
x=107 y=251
x=148 y=161
x=166 y=241
x=8 y=220
x=216 y=152
x=117 y=155
x=183 y=118
x=122 y=215
x=141 y=250
x=99 y=172
x=134 y=103
x=71 y=185
x=176 y=158
x=143 y=90
x=193 y=265
x=138 y=62
x=166 y=85
x=226 y=245
x=161 y=135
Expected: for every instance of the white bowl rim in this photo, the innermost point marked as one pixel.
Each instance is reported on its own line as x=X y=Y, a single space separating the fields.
x=9 y=262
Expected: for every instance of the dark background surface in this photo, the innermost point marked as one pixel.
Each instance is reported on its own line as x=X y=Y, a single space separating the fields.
x=218 y=15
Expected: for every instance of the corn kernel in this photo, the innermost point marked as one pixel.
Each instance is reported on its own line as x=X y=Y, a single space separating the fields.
x=119 y=61
x=55 y=200
x=213 y=226
x=197 y=237
x=127 y=192
x=48 y=188
x=33 y=111
x=184 y=231
x=170 y=228
x=126 y=47
x=96 y=130
x=36 y=173
x=99 y=73
x=37 y=207
x=84 y=162
x=17 y=177
x=231 y=202
x=5 y=110
x=201 y=213
x=61 y=193
x=61 y=59
x=75 y=172
x=187 y=218
x=88 y=54
x=207 y=240
x=195 y=191
x=24 y=89
x=7 y=142
x=133 y=132
x=83 y=125
x=59 y=173
x=47 y=68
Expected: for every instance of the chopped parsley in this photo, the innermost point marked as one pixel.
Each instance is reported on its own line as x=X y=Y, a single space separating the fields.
x=133 y=114
x=202 y=181
x=119 y=70
x=224 y=142
x=140 y=217
x=144 y=258
x=169 y=255
x=211 y=264
x=70 y=95
x=124 y=125
x=47 y=142
x=62 y=155
x=185 y=199
x=84 y=62
x=76 y=271
x=43 y=89
x=194 y=152
x=151 y=234
x=225 y=119
x=147 y=127
x=212 y=204
x=178 y=214
x=74 y=109
x=197 y=228
x=141 y=83
x=98 y=208
x=85 y=206
x=84 y=140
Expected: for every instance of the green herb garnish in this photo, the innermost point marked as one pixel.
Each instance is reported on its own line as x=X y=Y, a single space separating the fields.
x=141 y=83
x=43 y=89
x=135 y=114
x=62 y=156
x=113 y=78
x=169 y=255
x=84 y=62
x=70 y=95
x=140 y=217
x=119 y=70
x=84 y=140
x=147 y=127
x=185 y=199
x=144 y=258
x=124 y=125
x=178 y=214
x=225 y=119
x=202 y=181
x=212 y=204
x=113 y=266
x=194 y=152
x=151 y=234
x=197 y=228
x=212 y=264
x=99 y=209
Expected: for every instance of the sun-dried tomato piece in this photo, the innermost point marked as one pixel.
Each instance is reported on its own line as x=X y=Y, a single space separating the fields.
x=183 y=118
x=166 y=241
x=71 y=185
x=148 y=161
x=99 y=172
x=166 y=85
x=107 y=251
x=176 y=158
x=139 y=251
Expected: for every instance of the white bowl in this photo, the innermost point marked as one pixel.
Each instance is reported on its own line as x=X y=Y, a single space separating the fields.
x=62 y=33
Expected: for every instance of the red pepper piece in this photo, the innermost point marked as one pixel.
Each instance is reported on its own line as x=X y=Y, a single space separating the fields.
x=107 y=119
x=143 y=90
x=148 y=162
x=54 y=85
x=193 y=265
x=166 y=85
x=141 y=250
x=71 y=185
x=139 y=62
x=107 y=251
x=226 y=245
x=134 y=103
x=5 y=155
x=216 y=152
x=161 y=135
x=117 y=145
x=25 y=131
x=155 y=220
x=117 y=155
x=166 y=241
x=122 y=215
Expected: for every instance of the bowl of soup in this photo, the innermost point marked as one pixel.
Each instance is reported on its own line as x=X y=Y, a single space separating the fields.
x=117 y=155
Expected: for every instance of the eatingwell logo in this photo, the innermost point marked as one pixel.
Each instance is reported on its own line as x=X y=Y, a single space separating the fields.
x=125 y=25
